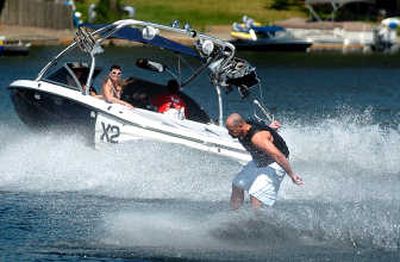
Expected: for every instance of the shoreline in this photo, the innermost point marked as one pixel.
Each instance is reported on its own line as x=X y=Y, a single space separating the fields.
x=36 y=36
x=50 y=37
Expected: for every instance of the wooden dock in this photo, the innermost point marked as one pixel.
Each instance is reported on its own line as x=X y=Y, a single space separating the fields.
x=37 y=13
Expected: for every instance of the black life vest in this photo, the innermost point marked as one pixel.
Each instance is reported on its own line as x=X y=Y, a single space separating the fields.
x=260 y=157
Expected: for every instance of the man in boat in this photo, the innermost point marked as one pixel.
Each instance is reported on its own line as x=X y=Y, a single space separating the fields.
x=112 y=87
x=262 y=176
x=80 y=75
x=171 y=103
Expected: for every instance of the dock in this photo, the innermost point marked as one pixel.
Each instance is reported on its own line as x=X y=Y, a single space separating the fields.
x=37 y=36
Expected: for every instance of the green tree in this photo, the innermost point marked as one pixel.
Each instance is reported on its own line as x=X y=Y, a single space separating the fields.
x=108 y=11
x=2 y=5
x=280 y=4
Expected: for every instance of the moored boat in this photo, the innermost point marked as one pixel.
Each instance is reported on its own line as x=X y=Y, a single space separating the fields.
x=13 y=47
x=253 y=36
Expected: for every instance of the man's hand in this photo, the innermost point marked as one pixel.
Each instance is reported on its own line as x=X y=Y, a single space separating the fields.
x=129 y=106
x=275 y=124
x=297 y=180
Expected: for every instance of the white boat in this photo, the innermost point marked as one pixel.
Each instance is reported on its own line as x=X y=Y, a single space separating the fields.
x=56 y=98
x=253 y=36
x=13 y=47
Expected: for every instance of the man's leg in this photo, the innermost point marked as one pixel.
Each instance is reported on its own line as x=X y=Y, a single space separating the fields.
x=255 y=203
x=264 y=189
x=237 y=197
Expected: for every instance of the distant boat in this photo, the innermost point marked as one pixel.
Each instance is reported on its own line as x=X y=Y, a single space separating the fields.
x=384 y=38
x=251 y=35
x=13 y=47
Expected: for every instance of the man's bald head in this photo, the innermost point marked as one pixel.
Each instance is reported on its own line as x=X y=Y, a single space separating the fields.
x=234 y=120
x=235 y=124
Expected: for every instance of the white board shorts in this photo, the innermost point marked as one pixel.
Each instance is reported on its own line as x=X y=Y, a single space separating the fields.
x=260 y=182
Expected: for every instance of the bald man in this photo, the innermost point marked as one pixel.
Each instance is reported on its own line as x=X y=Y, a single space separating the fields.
x=262 y=176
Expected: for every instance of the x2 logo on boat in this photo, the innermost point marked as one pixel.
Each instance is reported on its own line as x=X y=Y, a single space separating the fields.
x=110 y=133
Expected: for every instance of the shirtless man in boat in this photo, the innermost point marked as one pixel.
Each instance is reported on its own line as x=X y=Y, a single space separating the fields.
x=112 y=87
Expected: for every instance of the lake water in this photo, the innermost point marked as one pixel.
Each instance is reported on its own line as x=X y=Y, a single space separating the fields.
x=61 y=200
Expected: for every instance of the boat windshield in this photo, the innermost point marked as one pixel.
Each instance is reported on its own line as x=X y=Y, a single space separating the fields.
x=72 y=75
x=64 y=77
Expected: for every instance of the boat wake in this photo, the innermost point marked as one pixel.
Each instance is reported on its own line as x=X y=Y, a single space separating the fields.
x=340 y=160
x=303 y=225
x=142 y=169
x=179 y=196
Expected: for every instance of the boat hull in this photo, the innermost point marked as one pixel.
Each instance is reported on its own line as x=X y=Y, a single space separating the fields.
x=14 y=50
x=41 y=110
x=46 y=106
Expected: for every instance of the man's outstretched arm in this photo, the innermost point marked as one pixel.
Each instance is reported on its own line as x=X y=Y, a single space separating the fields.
x=263 y=140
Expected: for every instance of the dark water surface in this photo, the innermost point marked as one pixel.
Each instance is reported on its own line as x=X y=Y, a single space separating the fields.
x=61 y=200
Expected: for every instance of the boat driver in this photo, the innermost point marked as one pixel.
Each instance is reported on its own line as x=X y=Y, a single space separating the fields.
x=112 y=87
x=170 y=103
x=82 y=80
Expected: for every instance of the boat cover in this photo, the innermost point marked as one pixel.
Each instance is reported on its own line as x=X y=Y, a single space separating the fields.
x=268 y=29
x=135 y=35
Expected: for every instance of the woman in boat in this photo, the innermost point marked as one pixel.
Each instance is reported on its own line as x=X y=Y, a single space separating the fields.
x=112 y=87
